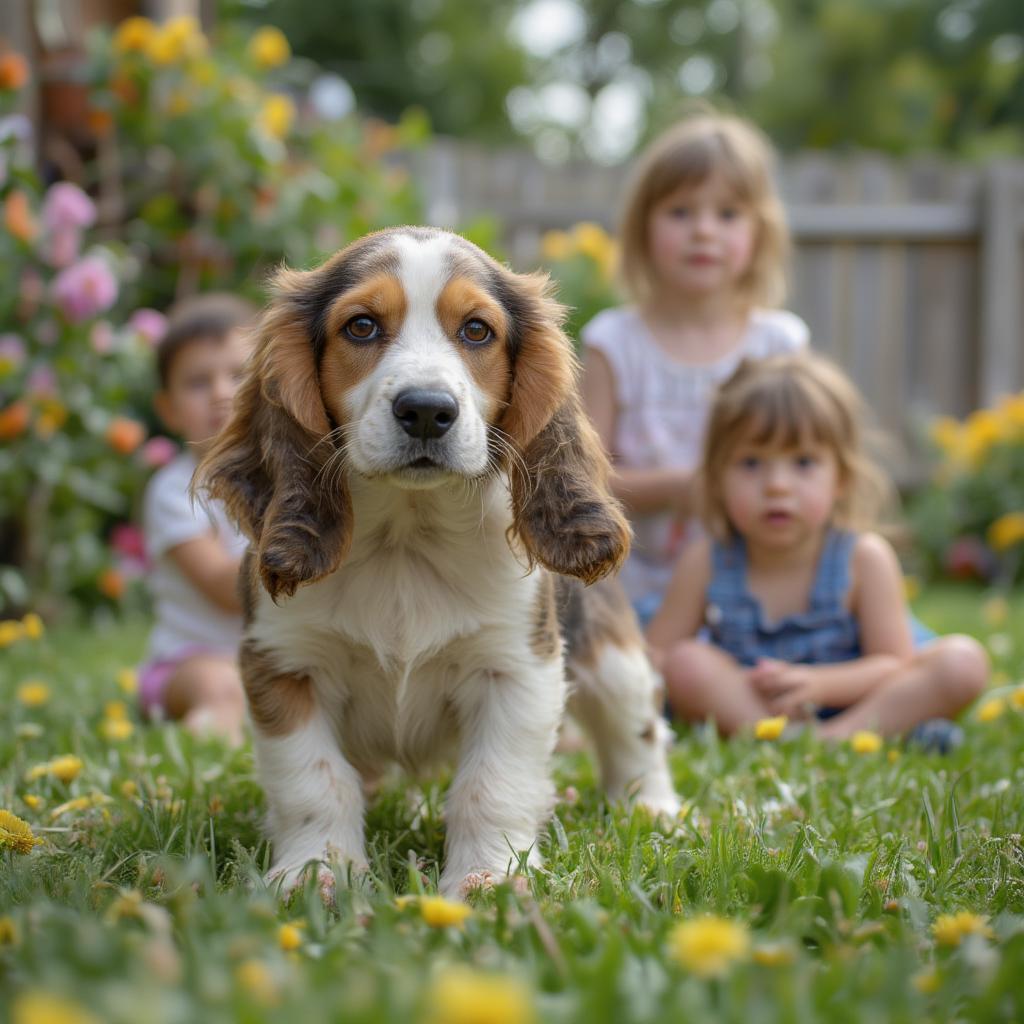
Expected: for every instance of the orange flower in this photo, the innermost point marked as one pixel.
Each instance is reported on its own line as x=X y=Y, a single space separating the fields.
x=13 y=420
x=101 y=123
x=13 y=71
x=125 y=90
x=125 y=435
x=111 y=584
x=18 y=217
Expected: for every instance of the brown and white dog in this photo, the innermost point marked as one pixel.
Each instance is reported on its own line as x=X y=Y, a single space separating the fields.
x=409 y=460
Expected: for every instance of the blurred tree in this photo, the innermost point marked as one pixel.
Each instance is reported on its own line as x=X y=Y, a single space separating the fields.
x=456 y=60
x=602 y=75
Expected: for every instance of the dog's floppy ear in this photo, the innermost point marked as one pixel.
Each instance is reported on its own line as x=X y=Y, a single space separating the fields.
x=267 y=464
x=562 y=509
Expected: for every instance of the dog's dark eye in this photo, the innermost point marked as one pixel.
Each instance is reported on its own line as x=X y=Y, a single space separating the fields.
x=362 y=328
x=475 y=332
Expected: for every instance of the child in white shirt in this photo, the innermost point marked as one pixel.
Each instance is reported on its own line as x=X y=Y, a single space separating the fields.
x=191 y=670
x=704 y=244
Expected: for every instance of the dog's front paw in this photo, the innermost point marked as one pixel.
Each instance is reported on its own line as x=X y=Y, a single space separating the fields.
x=287 y=878
x=665 y=806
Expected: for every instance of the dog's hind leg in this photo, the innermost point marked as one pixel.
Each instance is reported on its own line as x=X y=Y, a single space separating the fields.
x=616 y=695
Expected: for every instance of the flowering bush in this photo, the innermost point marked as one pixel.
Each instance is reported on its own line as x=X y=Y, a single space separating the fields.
x=70 y=378
x=970 y=521
x=582 y=261
x=220 y=163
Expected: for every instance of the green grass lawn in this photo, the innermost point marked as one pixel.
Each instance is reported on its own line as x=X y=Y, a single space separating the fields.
x=144 y=903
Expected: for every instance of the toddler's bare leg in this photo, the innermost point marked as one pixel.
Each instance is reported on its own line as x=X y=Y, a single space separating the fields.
x=206 y=693
x=704 y=682
x=940 y=681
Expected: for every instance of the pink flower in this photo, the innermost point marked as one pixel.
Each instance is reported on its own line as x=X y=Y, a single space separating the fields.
x=158 y=451
x=127 y=540
x=968 y=558
x=42 y=382
x=101 y=337
x=12 y=351
x=66 y=207
x=149 y=323
x=62 y=247
x=84 y=289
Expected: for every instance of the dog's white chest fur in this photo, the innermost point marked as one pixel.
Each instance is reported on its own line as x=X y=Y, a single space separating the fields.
x=430 y=599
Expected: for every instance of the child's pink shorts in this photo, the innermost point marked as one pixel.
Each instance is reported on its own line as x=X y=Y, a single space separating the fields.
x=153 y=678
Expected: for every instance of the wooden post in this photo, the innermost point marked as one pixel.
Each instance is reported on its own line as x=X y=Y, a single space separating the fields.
x=1001 y=366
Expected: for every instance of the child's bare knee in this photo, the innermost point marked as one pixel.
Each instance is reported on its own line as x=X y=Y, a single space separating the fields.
x=219 y=683
x=961 y=667
x=687 y=663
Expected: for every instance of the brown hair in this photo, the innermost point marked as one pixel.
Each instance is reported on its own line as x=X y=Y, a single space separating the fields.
x=686 y=155
x=788 y=400
x=209 y=317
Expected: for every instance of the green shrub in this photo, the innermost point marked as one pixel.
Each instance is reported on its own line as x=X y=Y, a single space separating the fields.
x=218 y=166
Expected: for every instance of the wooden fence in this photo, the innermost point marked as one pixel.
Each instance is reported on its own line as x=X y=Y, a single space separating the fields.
x=910 y=273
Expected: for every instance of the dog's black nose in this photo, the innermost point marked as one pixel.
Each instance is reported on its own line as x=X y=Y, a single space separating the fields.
x=425 y=413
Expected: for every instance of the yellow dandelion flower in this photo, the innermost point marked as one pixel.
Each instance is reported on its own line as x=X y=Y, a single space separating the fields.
x=178 y=102
x=16 y=834
x=33 y=693
x=116 y=729
x=441 y=913
x=202 y=72
x=865 y=742
x=927 y=982
x=277 y=115
x=770 y=728
x=982 y=430
x=11 y=631
x=32 y=801
x=32 y=625
x=289 y=937
x=133 y=35
x=128 y=681
x=991 y=709
x=256 y=980
x=555 y=246
x=592 y=240
x=177 y=40
x=67 y=767
x=115 y=709
x=1006 y=531
x=950 y=929
x=1012 y=410
x=463 y=996
x=1016 y=698
x=708 y=946
x=947 y=434
x=129 y=788
x=268 y=48
x=78 y=803
x=8 y=932
x=995 y=611
x=37 y=1007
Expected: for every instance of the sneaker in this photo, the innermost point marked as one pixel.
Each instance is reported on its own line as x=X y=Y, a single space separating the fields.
x=936 y=736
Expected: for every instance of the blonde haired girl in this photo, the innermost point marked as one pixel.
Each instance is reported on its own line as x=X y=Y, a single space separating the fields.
x=802 y=606
x=703 y=249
